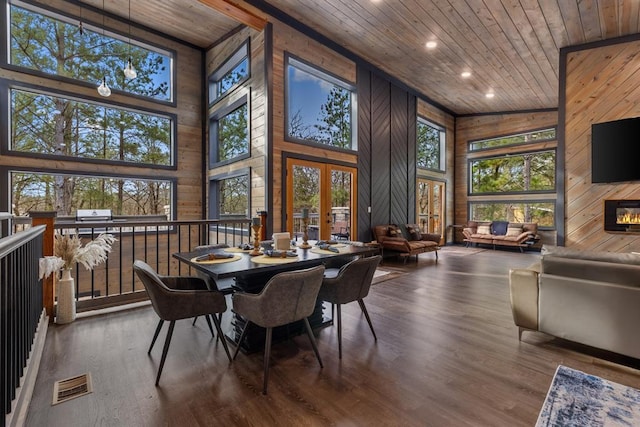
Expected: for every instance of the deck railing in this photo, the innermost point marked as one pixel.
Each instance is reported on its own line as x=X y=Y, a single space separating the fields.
x=21 y=308
x=114 y=282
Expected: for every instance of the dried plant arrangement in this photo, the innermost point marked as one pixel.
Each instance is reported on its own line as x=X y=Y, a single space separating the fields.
x=68 y=251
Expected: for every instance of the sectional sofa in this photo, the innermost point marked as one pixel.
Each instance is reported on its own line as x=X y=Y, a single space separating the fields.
x=592 y=298
x=501 y=233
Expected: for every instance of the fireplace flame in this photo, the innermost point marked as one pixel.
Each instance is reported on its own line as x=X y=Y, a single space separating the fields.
x=628 y=218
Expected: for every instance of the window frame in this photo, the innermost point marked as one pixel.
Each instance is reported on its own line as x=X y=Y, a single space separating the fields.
x=229 y=64
x=442 y=140
x=514 y=201
x=305 y=66
x=516 y=144
x=6 y=171
x=5 y=51
x=214 y=118
x=214 y=191
x=470 y=161
x=6 y=88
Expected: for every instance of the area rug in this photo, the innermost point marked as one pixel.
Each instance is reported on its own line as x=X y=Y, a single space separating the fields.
x=460 y=250
x=579 y=399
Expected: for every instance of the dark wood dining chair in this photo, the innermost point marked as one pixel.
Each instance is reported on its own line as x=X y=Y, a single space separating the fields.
x=352 y=283
x=287 y=297
x=179 y=297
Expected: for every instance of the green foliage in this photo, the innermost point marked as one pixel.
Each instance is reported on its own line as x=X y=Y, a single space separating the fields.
x=233 y=196
x=516 y=173
x=428 y=155
x=233 y=134
x=55 y=125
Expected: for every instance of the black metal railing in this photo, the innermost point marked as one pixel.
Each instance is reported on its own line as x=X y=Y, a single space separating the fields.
x=20 y=307
x=114 y=282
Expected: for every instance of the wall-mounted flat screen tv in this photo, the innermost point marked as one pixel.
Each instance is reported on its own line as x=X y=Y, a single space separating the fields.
x=615 y=151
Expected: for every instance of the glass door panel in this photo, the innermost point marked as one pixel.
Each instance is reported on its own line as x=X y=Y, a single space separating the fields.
x=430 y=205
x=328 y=192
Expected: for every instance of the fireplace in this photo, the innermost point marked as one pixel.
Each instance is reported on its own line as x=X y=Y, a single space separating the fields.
x=622 y=216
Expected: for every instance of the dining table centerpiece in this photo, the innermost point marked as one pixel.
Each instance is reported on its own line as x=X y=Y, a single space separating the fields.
x=67 y=252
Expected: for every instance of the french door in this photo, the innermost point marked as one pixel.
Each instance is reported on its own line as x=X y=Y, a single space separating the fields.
x=328 y=192
x=430 y=206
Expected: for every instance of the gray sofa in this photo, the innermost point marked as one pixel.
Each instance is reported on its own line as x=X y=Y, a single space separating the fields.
x=591 y=298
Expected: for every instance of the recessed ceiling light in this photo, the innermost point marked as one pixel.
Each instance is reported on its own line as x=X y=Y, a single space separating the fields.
x=490 y=94
x=431 y=44
x=465 y=74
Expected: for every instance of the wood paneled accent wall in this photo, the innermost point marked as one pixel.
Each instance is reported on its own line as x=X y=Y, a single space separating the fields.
x=255 y=89
x=600 y=85
x=288 y=40
x=188 y=109
x=471 y=128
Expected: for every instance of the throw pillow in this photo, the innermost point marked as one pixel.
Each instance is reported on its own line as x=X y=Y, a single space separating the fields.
x=514 y=231
x=394 y=231
x=484 y=229
x=414 y=233
x=499 y=228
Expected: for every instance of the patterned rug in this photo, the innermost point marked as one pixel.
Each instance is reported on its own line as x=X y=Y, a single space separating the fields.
x=579 y=399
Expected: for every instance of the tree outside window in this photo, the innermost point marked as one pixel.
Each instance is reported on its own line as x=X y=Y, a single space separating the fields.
x=124 y=196
x=430 y=143
x=233 y=196
x=542 y=213
x=231 y=133
x=518 y=173
x=55 y=46
x=319 y=106
x=55 y=125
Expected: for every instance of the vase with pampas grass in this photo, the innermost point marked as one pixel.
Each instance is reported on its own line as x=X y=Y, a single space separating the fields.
x=68 y=251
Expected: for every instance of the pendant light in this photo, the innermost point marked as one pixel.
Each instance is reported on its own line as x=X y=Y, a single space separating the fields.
x=80 y=26
x=129 y=71
x=103 y=89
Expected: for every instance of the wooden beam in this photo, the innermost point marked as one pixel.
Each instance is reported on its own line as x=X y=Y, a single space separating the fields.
x=238 y=13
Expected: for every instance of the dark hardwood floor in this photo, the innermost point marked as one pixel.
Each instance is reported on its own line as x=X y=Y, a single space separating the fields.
x=447 y=354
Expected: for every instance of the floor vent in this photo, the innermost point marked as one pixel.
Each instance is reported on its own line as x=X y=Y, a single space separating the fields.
x=71 y=388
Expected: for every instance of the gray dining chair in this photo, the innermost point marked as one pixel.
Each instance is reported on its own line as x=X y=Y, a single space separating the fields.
x=352 y=283
x=211 y=284
x=287 y=297
x=179 y=297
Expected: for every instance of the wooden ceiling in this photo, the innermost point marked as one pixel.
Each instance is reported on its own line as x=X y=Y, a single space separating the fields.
x=511 y=47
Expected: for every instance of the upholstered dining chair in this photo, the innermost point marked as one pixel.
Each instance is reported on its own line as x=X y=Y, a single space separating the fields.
x=211 y=284
x=352 y=283
x=287 y=297
x=179 y=297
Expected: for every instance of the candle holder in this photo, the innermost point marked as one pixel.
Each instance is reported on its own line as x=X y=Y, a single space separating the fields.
x=305 y=236
x=256 y=240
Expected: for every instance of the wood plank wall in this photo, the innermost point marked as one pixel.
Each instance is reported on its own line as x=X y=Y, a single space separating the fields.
x=188 y=110
x=600 y=85
x=288 y=40
x=255 y=89
x=470 y=128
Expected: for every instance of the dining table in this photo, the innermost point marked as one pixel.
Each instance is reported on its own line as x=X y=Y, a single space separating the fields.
x=251 y=273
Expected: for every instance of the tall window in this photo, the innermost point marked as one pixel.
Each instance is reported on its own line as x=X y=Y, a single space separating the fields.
x=516 y=173
x=320 y=107
x=431 y=146
x=233 y=196
x=515 y=180
x=66 y=193
x=58 y=48
x=229 y=133
x=234 y=71
x=47 y=124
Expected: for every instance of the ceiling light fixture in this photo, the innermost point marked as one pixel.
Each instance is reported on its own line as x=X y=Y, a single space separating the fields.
x=490 y=95
x=129 y=71
x=465 y=74
x=431 y=44
x=103 y=89
x=80 y=27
